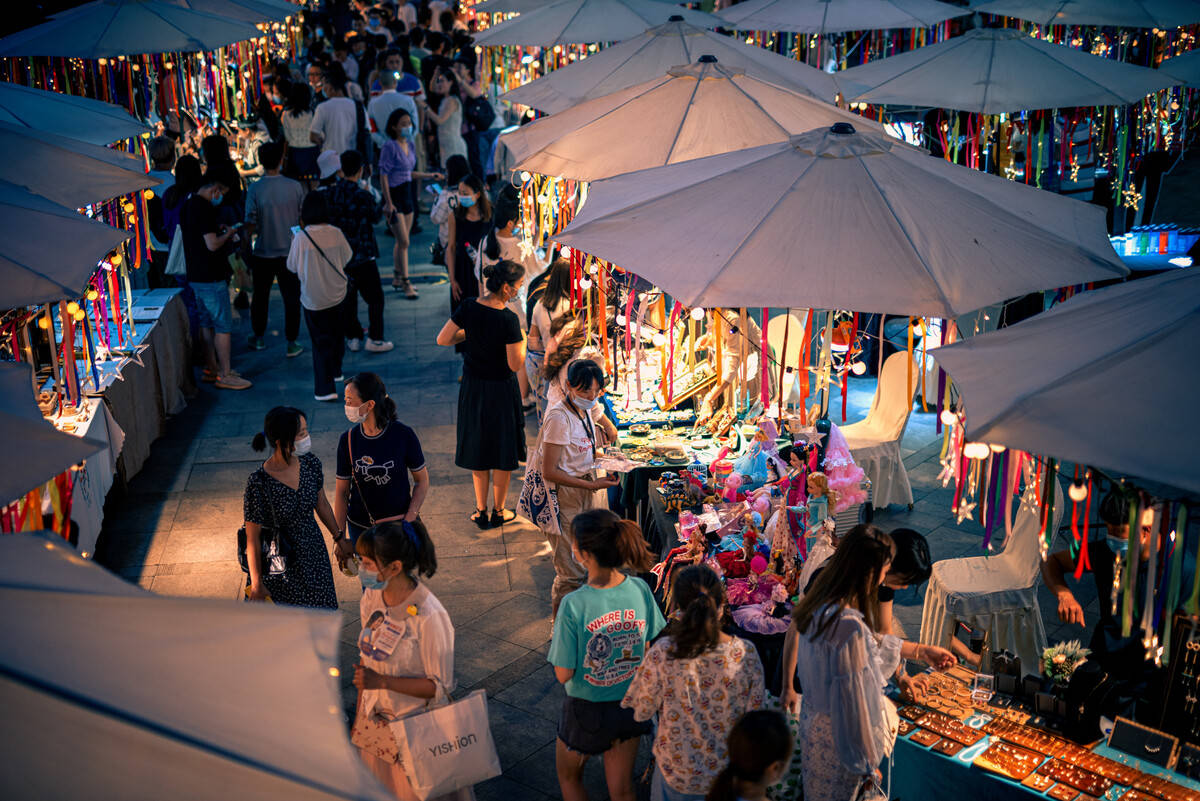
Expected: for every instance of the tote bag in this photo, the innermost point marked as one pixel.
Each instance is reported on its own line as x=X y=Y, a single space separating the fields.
x=447 y=748
x=176 y=264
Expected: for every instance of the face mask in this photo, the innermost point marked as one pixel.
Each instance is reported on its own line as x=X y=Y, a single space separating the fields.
x=1118 y=546
x=356 y=414
x=584 y=404
x=303 y=446
x=373 y=24
x=216 y=201
x=320 y=32
x=371 y=581
x=407 y=132
x=466 y=201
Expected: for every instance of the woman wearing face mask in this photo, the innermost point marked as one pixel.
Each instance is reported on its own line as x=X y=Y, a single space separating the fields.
x=449 y=114
x=375 y=460
x=282 y=495
x=491 y=425
x=466 y=228
x=406 y=648
x=397 y=170
x=573 y=430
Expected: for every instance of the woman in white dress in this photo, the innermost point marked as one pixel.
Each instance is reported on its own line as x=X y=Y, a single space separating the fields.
x=448 y=116
x=406 y=648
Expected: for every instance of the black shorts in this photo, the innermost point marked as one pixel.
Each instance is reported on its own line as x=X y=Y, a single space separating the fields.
x=593 y=727
x=402 y=197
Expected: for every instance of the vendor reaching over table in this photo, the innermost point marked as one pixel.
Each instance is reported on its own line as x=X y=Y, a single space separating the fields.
x=741 y=340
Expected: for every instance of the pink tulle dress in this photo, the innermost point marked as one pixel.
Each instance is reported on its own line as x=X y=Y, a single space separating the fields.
x=845 y=477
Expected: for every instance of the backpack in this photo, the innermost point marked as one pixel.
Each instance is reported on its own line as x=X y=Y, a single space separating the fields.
x=479 y=113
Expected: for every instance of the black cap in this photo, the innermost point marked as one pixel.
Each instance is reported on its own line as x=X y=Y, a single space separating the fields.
x=674 y=18
x=707 y=59
x=842 y=128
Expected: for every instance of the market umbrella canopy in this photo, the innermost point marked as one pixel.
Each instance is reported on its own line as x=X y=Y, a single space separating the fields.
x=47 y=251
x=835 y=219
x=109 y=28
x=1185 y=68
x=1078 y=381
x=251 y=11
x=68 y=171
x=164 y=697
x=693 y=111
x=994 y=70
x=834 y=16
x=88 y=120
x=37 y=450
x=1116 y=13
x=586 y=21
x=651 y=54
x=508 y=6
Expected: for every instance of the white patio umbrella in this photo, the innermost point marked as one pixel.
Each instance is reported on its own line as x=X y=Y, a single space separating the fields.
x=587 y=21
x=37 y=450
x=82 y=118
x=1108 y=378
x=108 y=28
x=47 y=251
x=693 y=111
x=834 y=16
x=509 y=6
x=651 y=54
x=1184 y=68
x=994 y=70
x=835 y=219
x=1116 y=13
x=67 y=171
x=251 y=11
x=163 y=697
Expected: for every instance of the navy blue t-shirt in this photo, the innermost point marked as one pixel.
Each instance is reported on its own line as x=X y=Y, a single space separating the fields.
x=381 y=467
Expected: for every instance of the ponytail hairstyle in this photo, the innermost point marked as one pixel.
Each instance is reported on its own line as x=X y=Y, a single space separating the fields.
x=850 y=579
x=613 y=542
x=370 y=387
x=397 y=541
x=699 y=603
x=280 y=427
x=502 y=272
x=757 y=741
x=504 y=214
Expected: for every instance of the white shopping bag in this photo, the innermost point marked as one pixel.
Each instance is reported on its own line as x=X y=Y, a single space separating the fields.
x=448 y=748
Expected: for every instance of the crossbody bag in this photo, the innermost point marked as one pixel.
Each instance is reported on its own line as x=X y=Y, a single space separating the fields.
x=275 y=548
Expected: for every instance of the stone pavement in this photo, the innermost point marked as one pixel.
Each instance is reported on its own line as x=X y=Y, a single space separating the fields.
x=172 y=529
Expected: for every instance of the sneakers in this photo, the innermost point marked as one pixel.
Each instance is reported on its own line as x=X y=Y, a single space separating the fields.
x=294 y=350
x=256 y=343
x=232 y=381
x=354 y=345
x=208 y=376
x=332 y=396
x=339 y=379
x=378 y=346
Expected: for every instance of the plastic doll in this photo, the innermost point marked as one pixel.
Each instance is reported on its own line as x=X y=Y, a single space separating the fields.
x=820 y=499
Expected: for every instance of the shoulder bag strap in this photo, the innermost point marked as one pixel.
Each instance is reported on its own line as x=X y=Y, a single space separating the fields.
x=336 y=269
x=354 y=476
x=266 y=490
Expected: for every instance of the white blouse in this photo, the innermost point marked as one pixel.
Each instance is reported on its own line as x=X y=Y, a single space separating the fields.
x=425 y=650
x=843 y=673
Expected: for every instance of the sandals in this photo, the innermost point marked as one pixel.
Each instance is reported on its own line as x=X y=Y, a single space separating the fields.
x=404 y=285
x=501 y=516
x=480 y=518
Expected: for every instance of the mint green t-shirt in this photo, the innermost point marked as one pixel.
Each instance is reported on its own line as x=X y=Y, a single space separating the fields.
x=602 y=636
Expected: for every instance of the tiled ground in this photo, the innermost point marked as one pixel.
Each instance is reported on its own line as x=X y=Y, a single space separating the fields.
x=172 y=531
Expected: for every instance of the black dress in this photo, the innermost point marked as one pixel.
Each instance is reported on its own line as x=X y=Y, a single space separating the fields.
x=491 y=426
x=467 y=236
x=309 y=577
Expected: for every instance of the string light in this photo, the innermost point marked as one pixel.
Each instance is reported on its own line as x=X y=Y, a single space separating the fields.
x=948 y=417
x=1077 y=491
x=858 y=368
x=975 y=450
x=698 y=313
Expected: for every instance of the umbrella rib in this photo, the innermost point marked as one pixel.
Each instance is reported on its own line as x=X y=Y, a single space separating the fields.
x=125 y=716
x=949 y=45
x=987 y=83
x=111 y=20
x=682 y=119
x=1054 y=57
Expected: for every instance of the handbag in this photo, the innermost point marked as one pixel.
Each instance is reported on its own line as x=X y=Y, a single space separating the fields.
x=447 y=748
x=176 y=262
x=479 y=113
x=437 y=253
x=274 y=547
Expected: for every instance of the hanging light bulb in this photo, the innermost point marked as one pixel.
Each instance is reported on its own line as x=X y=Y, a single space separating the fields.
x=919 y=327
x=858 y=368
x=149 y=193
x=1078 y=491
x=72 y=307
x=976 y=450
x=698 y=313
x=92 y=294
x=525 y=176
x=565 y=253
x=593 y=268
x=78 y=315
x=621 y=321
x=116 y=259
x=43 y=323
x=658 y=339
x=585 y=283
x=948 y=417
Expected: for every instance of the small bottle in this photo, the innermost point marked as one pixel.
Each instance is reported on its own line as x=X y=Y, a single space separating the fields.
x=350 y=568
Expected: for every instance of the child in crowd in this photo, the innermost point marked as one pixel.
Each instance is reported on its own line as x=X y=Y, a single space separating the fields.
x=760 y=747
x=600 y=636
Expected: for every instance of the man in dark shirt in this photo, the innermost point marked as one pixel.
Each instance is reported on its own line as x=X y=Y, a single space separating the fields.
x=352 y=209
x=208 y=274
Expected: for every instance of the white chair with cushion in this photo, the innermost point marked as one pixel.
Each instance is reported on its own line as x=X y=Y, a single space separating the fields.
x=875 y=441
x=997 y=593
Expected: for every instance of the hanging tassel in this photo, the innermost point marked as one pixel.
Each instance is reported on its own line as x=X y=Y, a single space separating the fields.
x=787 y=324
x=764 y=369
x=670 y=332
x=1176 y=576
x=909 y=377
x=1132 y=558
x=805 y=352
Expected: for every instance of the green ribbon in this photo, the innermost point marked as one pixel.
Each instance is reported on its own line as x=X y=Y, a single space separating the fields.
x=1175 y=579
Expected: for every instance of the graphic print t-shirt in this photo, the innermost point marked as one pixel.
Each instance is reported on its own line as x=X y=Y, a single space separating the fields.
x=602 y=636
x=381 y=467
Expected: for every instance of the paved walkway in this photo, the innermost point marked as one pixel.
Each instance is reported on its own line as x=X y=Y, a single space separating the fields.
x=172 y=531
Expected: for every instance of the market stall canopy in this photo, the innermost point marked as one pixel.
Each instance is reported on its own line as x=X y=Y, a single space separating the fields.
x=834 y=16
x=994 y=70
x=693 y=111
x=37 y=450
x=1068 y=382
x=68 y=171
x=588 y=21
x=164 y=697
x=651 y=54
x=1184 y=68
x=508 y=6
x=109 y=28
x=47 y=251
x=251 y=11
x=835 y=219
x=1116 y=13
x=82 y=118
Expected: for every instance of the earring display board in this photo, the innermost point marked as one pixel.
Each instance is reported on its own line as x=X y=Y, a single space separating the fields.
x=1181 y=711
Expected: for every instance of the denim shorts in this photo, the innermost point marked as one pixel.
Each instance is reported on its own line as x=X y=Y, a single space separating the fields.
x=212 y=305
x=593 y=727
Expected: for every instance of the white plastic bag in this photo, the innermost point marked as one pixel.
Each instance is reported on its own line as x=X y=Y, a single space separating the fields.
x=448 y=748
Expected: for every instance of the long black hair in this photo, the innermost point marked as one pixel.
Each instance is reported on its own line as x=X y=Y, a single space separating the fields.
x=757 y=741
x=399 y=541
x=370 y=387
x=850 y=578
x=279 y=428
x=700 y=601
x=558 y=283
x=613 y=542
x=484 y=204
x=299 y=98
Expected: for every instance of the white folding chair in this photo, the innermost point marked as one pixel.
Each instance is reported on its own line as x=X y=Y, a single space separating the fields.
x=875 y=441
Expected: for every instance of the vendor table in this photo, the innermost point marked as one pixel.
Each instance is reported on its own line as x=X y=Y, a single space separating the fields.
x=93 y=480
